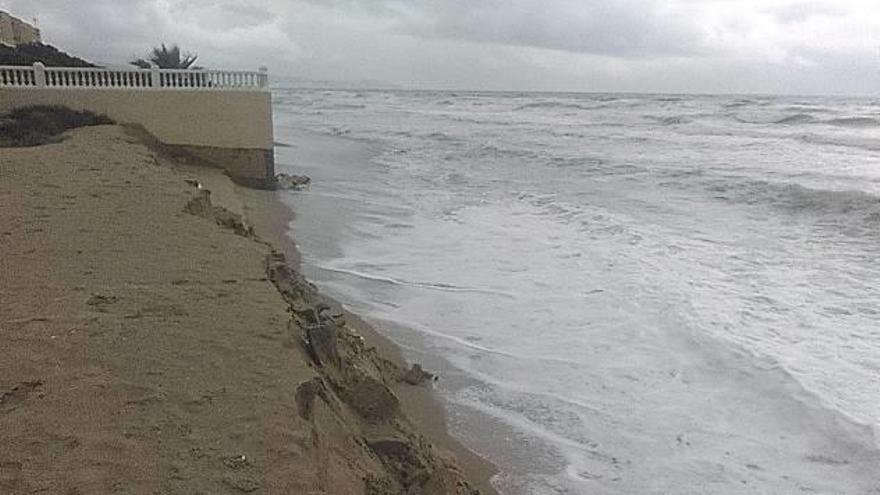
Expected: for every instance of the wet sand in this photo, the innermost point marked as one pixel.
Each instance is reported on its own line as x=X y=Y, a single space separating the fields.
x=272 y=219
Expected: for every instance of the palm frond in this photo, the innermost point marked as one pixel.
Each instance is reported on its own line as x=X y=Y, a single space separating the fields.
x=167 y=58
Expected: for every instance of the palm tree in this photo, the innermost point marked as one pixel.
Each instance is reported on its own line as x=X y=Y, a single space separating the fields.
x=167 y=58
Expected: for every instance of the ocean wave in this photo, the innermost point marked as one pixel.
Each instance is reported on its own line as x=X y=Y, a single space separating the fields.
x=556 y=105
x=433 y=136
x=854 y=122
x=670 y=120
x=584 y=161
x=341 y=106
x=805 y=107
x=339 y=131
x=796 y=199
x=802 y=118
x=440 y=136
x=421 y=285
x=486 y=121
x=746 y=102
x=773 y=118
x=798 y=118
x=738 y=104
x=678 y=173
x=866 y=144
x=494 y=151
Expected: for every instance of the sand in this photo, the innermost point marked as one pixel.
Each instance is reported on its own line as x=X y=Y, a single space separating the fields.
x=148 y=345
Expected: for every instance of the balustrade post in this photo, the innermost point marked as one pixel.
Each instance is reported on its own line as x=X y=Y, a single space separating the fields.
x=39 y=75
x=154 y=76
x=264 y=77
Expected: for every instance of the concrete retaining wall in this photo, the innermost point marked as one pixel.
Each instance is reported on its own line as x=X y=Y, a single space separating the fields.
x=230 y=129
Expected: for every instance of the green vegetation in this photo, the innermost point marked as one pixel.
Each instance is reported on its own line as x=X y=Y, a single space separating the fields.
x=41 y=124
x=167 y=58
x=30 y=53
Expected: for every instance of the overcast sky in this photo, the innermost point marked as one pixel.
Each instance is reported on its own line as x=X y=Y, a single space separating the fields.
x=712 y=46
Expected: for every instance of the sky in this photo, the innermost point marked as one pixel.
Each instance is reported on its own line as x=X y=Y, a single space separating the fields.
x=663 y=46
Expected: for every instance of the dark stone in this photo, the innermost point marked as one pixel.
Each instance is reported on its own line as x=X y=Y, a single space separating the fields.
x=390 y=447
x=292 y=286
x=200 y=205
x=322 y=341
x=288 y=181
x=371 y=398
x=416 y=375
x=305 y=396
x=232 y=221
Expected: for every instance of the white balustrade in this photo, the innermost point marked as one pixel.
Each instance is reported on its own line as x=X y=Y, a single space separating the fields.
x=38 y=76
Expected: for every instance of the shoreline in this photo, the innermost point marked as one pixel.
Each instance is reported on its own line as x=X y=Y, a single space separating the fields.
x=271 y=218
x=602 y=363
x=151 y=345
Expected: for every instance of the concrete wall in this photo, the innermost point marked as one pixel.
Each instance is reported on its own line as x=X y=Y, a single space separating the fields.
x=14 y=31
x=231 y=129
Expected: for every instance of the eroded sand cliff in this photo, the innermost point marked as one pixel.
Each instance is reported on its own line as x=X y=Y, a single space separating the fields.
x=153 y=343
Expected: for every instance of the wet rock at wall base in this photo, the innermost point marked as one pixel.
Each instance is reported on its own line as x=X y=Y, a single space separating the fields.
x=416 y=375
x=291 y=181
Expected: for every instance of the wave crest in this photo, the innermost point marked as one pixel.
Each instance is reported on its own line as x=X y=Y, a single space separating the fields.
x=797 y=199
x=854 y=122
x=554 y=105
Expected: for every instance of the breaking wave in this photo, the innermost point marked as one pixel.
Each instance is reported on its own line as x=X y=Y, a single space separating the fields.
x=798 y=118
x=671 y=119
x=556 y=105
x=797 y=199
x=421 y=285
x=854 y=122
x=806 y=118
x=858 y=142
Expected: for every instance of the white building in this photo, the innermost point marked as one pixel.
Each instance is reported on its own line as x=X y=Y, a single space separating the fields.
x=14 y=31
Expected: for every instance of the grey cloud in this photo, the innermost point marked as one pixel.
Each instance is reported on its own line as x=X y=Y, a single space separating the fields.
x=221 y=15
x=586 y=45
x=804 y=11
x=606 y=27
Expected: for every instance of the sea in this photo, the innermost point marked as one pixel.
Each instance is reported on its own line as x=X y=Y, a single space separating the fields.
x=621 y=293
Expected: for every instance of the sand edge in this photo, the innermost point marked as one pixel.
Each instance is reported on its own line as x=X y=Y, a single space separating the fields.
x=157 y=341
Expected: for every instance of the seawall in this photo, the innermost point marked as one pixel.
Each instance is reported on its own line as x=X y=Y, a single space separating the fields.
x=229 y=129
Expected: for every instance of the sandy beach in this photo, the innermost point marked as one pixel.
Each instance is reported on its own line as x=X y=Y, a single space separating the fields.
x=157 y=340
x=440 y=248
